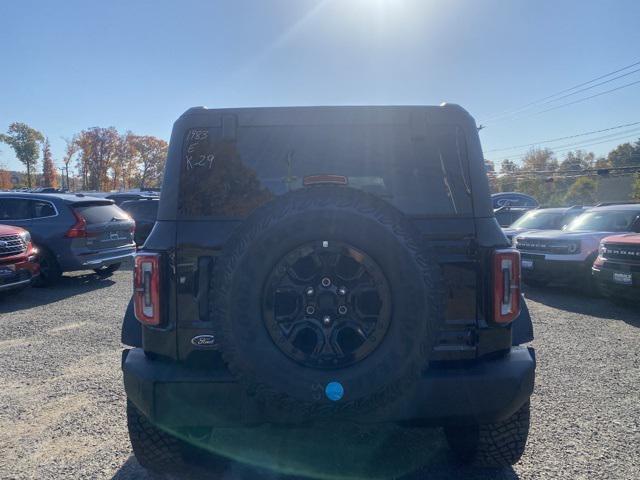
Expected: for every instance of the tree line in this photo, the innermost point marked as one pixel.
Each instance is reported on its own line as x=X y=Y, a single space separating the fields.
x=557 y=182
x=103 y=159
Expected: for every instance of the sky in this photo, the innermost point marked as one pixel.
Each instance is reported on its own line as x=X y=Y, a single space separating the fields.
x=137 y=65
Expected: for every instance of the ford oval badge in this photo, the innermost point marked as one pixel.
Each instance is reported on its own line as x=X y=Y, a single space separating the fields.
x=204 y=341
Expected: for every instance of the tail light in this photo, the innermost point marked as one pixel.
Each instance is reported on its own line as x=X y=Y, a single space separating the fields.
x=506 y=289
x=146 y=288
x=79 y=229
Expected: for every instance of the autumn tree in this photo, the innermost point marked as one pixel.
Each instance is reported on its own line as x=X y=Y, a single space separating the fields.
x=601 y=162
x=578 y=160
x=624 y=155
x=98 y=150
x=125 y=168
x=5 y=178
x=508 y=166
x=70 y=150
x=539 y=159
x=582 y=192
x=151 y=155
x=49 y=178
x=25 y=141
x=635 y=195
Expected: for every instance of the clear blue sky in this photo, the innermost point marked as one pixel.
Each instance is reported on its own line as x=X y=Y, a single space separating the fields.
x=69 y=65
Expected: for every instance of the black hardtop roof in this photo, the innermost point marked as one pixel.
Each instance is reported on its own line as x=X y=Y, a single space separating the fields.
x=317 y=115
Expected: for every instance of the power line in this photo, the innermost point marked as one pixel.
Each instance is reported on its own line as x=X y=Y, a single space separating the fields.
x=589 y=97
x=511 y=112
x=593 y=86
x=629 y=169
x=584 y=143
x=562 y=138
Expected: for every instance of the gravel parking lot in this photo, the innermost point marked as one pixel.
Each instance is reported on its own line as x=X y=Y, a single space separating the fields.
x=62 y=401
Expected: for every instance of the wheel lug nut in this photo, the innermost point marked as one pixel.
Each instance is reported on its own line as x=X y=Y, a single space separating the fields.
x=310 y=310
x=309 y=291
x=326 y=282
x=342 y=310
x=326 y=320
x=342 y=291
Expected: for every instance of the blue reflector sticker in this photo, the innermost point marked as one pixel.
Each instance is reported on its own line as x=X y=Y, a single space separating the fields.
x=334 y=391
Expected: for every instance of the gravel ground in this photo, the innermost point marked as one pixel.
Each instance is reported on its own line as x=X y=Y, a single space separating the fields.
x=62 y=402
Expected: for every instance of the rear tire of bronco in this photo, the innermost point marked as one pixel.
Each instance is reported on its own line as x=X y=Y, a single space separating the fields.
x=491 y=445
x=162 y=453
x=327 y=301
x=155 y=449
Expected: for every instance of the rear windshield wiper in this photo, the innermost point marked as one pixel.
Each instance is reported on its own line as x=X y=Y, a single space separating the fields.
x=445 y=179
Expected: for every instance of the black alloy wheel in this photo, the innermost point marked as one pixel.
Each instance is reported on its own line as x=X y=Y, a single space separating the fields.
x=327 y=304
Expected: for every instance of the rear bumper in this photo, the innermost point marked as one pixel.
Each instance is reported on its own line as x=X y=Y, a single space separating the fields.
x=175 y=396
x=93 y=260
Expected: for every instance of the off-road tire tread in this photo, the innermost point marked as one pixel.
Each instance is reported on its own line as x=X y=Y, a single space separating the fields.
x=154 y=448
x=492 y=445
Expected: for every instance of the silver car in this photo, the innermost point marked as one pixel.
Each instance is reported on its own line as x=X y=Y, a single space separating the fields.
x=567 y=255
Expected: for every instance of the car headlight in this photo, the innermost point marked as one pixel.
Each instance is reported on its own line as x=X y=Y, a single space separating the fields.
x=26 y=236
x=573 y=247
x=601 y=249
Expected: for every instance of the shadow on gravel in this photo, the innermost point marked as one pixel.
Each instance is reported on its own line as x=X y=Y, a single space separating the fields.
x=392 y=453
x=68 y=286
x=131 y=470
x=575 y=301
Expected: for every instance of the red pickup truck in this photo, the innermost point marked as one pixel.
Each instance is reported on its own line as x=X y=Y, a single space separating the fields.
x=18 y=258
x=617 y=268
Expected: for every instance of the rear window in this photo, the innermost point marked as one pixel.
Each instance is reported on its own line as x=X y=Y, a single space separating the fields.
x=230 y=177
x=142 y=209
x=100 y=212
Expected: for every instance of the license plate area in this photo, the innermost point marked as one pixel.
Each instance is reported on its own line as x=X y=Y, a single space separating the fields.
x=7 y=270
x=622 y=278
x=527 y=264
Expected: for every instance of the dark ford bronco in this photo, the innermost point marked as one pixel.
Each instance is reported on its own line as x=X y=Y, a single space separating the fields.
x=325 y=264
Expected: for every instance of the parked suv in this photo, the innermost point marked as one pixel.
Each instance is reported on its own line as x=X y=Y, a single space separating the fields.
x=18 y=259
x=327 y=264
x=617 y=268
x=543 y=219
x=71 y=232
x=567 y=255
x=144 y=213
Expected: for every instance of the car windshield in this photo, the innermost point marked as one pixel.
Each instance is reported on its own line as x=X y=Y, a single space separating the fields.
x=540 y=220
x=604 y=221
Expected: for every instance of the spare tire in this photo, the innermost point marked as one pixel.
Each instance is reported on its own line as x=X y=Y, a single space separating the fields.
x=326 y=301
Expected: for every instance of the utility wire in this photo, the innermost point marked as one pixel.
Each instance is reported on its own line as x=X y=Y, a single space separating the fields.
x=589 y=97
x=511 y=112
x=562 y=138
x=592 y=86
x=587 y=143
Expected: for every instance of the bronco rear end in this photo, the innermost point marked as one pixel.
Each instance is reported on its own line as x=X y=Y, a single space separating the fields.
x=328 y=263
